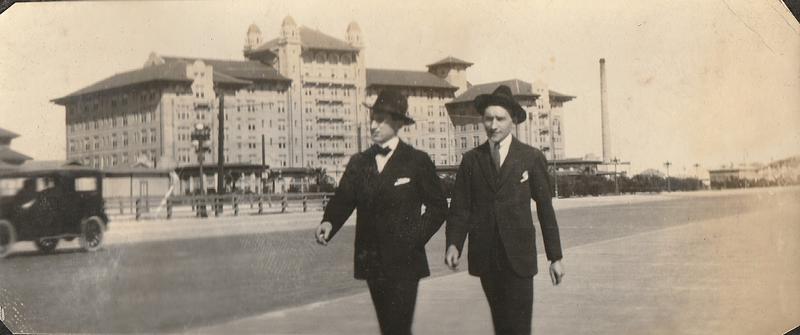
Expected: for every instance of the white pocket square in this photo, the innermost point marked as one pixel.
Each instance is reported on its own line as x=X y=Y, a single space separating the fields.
x=401 y=181
x=524 y=177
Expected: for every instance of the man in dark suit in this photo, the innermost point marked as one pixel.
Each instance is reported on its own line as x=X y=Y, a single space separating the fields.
x=388 y=184
x=492 y=204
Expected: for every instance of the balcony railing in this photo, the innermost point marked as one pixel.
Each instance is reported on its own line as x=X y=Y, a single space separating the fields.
x=330 y=154
x=322 y=137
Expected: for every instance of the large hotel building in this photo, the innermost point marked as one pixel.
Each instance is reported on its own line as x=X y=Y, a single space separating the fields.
x=294 y=102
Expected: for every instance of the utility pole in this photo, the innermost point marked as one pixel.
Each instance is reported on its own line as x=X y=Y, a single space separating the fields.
x=616 y=161
x=697 y=175
x=667 y=164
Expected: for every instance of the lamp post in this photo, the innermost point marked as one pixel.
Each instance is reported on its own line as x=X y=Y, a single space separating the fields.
x=201 y=140
x=616 y=180
x=697 y=175
x=667 y=164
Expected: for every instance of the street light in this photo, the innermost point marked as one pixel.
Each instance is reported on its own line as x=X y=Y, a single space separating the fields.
x=201 y=140
x=667 y=164
x=697 y=175
x=616 y=162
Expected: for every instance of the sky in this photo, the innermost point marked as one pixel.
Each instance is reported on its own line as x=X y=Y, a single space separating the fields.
x=690 y=82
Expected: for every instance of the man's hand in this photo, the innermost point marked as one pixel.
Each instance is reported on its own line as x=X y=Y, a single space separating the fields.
x=556 y=272
x=451 y=257
x=323 y=232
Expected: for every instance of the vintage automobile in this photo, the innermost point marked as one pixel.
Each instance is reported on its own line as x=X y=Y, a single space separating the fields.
x=46 y=205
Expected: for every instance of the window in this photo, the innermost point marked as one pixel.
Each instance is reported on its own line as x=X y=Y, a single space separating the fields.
x=85 y=184
x=476 y=140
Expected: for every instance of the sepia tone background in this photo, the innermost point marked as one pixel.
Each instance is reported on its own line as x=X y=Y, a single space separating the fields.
x=708 y=82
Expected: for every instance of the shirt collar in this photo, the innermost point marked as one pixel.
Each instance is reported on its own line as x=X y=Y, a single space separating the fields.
x=391 y=144
x=504 y=143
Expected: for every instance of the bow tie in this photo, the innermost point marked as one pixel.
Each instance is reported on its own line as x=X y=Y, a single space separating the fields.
x=378 y=150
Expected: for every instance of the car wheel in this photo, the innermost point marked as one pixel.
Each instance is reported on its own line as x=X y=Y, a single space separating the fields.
x=8 y=236
x=46 y=245
x=92 y=233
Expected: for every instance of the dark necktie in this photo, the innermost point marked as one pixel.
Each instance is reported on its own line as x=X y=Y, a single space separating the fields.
x=495 y=149
x=378 y=150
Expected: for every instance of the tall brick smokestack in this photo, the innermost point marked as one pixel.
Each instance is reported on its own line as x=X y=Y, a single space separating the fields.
x=607 y=155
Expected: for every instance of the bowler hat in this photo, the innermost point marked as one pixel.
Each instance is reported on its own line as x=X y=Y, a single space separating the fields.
x=501 y=97
x=392 y=102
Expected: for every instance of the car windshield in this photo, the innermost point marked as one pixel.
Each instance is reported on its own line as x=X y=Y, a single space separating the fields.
x=10 y=186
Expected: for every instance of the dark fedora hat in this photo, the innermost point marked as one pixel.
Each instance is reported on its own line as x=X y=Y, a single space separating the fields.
x=392 y=102
x=501 y=97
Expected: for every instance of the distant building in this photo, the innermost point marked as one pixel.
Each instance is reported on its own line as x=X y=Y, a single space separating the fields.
x=427 y=94
x=543 y=127
x=733 y=176
x=302 y=92
x=782 y=172
x=8 y=157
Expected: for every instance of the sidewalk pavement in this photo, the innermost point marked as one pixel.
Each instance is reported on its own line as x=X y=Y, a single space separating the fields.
x=736 y=275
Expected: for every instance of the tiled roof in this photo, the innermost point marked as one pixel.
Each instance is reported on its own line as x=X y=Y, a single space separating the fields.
x=405 y=78
x=560 y=96
x=7 y=134
x=55 y=164
x=310 y=39
x=12 y=157
x=518 y=88
x=241 y=69
x=170 y=71
x=450 y=60
x=5 y=166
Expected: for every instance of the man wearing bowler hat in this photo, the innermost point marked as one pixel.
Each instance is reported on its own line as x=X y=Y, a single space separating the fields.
x=388 y=184
x=492 y=204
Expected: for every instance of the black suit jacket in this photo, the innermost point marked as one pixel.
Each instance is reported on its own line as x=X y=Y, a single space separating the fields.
x=487 y=203
x=391 y=230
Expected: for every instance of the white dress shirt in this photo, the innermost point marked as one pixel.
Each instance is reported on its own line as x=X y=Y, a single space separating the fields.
x=391 y=144
x=504 y=145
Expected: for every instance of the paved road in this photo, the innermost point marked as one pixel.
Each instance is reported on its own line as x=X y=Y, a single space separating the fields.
x=729 y=275
x=175 y=285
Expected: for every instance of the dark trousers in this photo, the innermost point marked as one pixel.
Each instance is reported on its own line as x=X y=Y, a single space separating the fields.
x=510 y=296
x=394 y=301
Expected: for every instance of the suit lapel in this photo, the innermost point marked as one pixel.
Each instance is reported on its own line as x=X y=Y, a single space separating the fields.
x=510 y=164
x=487 y=166
x=368 y=174
x=386 y=178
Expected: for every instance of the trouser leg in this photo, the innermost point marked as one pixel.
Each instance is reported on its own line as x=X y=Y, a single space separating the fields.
x=394 y=301
x=510 y=296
